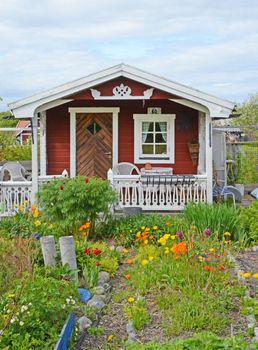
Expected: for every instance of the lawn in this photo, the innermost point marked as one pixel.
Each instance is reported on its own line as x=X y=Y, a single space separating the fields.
x=173 y=284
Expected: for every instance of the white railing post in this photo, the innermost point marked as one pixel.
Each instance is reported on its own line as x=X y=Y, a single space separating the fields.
x=110 y=176
x=34 y=149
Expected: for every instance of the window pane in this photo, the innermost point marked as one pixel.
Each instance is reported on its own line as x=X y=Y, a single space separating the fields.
x=147 y=149
x=147 y=126
x=147 y=138
x=161 y=149
x=161 y=138
x=161 y=126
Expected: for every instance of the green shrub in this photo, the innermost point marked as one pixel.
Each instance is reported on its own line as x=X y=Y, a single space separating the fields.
x=217 y=217
x=33 y=314
x=71 y=202
x=249 y=222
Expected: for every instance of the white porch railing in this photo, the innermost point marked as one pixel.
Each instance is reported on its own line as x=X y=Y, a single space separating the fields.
x=14 y=194
x=170 y=193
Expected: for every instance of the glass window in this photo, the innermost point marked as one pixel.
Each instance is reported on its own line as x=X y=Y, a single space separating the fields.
x=154 y=138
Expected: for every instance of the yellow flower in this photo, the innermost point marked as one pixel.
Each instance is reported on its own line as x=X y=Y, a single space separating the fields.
x=145 y=262
x=125 y=251
x=227 y=234
x=146 y=242
x=155 y=227
x=255 y=275
x=138 y=234
x=143 y=227
x=50 y=226
x=151 y=258
x=166 y=250
x=21 y=207
x=147 y=229
x=130 y=231
x=173 y=237
x=25 y=202
x=110 y=337
x=211 y=249
x=15 y=205
x=166 y=236
x=130 y=299
x=36 y=213
x=246 y=274
x=37 y=223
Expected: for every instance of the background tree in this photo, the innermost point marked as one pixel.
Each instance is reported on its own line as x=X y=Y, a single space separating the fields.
x=249 y=112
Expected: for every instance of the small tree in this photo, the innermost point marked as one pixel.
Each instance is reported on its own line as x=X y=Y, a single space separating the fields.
x=248 y=111
x=71 y=202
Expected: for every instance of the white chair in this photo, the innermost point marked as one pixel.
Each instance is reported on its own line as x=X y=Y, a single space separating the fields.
x=125 y=168
x=15 y=171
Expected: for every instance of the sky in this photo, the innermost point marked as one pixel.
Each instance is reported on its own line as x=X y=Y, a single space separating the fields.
x=209 y=45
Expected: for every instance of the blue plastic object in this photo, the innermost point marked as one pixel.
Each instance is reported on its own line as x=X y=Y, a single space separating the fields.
x=66 y=333
x=84 y=294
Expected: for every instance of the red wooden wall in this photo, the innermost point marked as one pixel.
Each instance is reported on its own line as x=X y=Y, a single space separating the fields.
x=58 y=126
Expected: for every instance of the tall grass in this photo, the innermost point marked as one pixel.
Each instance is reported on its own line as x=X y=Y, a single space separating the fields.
x=217 y=217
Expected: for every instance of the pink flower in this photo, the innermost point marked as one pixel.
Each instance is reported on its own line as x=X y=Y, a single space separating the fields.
x=179 y=234
x=207 y=232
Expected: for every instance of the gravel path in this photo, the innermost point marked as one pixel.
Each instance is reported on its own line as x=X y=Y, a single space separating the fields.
x=248 y=262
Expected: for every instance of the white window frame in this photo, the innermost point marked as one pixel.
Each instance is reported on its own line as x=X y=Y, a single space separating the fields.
x=154 y=159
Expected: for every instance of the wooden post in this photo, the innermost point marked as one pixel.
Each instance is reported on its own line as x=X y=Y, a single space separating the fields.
x=48 y=250
x=34 y=127
x=67 y=250
x=43 y=157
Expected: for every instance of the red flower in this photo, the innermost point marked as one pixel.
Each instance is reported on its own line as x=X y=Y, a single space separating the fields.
x=222 y=267
x=87 y=251
x=97 y=263
x=87 y=180
x=61 y=187
x=97 y=251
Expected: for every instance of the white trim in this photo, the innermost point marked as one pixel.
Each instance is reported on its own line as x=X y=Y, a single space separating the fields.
x=43 y=144
x=170 y=157
x=208 y=142
x=72 y=143
x=34 y=157
x=73 y=111
x=217 y=107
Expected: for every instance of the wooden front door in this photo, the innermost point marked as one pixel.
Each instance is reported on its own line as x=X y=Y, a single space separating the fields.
x=93 y=144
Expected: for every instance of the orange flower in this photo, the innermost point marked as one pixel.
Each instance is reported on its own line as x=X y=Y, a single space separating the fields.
x=179 y=248
x=85 y=226
x=208 y=268
x=222 y=267
x=128 y=276
x=130 y=261
x=150 y=237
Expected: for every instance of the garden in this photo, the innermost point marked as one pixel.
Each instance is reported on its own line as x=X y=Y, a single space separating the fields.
x=181 y=281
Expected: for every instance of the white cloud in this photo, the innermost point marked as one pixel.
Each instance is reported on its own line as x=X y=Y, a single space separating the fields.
x=211 y=46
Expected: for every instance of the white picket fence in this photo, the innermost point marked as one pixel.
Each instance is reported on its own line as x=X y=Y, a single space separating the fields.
x=17 y=194
x=159 y=193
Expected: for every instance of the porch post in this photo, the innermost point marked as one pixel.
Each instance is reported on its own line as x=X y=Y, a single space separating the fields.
x=202 y=143
x=115 y=137
x=72 y=143
x=208 y=141
x=43 y=157
x=34 y=156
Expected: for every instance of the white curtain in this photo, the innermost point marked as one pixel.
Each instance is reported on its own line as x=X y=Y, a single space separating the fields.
x=163 y=129
x=145 y=129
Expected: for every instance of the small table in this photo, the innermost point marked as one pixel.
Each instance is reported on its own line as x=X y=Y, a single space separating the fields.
x=157 y=171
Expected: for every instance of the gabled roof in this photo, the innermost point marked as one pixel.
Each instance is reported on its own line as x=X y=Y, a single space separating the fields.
x=191 y=97
x=22 y=124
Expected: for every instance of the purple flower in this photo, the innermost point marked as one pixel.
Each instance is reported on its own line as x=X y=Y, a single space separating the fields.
x=207 y=232
x=179 y=234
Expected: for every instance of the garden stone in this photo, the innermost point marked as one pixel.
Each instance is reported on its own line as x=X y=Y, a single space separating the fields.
x=96 y=302
x=107 y=287
x=132 y=335
x=99 y=290
x=104 y=277
x=68 y=252
x=255 y=338
x=132 y=339
x=84 y=323
x=48 y=250
x=130 y=328
x=255 y=248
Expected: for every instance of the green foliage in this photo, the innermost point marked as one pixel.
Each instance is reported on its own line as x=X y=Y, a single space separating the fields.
x=249 y=222
x=217 y=217
x=248 y=111
x=32 y=315
x=202 y=341
x=246 y=163
x=126 y=228
x=7 y=123
x=90 y=275
x=137 y=313
x=98 y=331
x=71 y=202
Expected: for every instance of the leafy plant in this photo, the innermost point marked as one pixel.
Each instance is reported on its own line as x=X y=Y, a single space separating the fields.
x=137 y=313
x=249 y=222
x=217 y=217
x=71 y=202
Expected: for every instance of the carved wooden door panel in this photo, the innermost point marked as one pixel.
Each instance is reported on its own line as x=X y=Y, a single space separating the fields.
x=93 y=144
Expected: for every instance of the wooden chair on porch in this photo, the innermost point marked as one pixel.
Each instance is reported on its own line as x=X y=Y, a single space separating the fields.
x=14 y=171
x=125 y=168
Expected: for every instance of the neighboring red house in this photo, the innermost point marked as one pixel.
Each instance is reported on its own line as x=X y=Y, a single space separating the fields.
x=24 y=131
x=123 y=114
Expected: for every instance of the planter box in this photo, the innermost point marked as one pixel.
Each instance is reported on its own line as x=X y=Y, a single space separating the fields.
x=66 y=333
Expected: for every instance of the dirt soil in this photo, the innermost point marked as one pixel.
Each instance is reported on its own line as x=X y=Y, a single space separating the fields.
x=248 y=262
